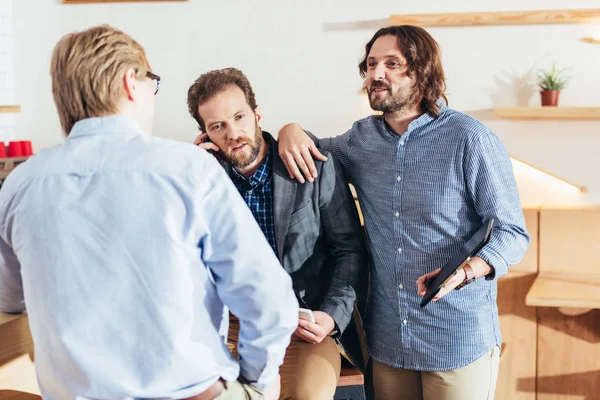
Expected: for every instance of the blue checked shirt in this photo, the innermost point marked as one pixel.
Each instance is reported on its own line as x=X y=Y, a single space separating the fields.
x=258 y=195
x=423 y=194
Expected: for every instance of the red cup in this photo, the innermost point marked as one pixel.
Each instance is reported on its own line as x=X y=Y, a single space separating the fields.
x=26 y=147
x=15 y=149
x=2 y=150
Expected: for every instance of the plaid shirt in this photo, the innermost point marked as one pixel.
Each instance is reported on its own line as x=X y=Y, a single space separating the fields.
x=258 y=195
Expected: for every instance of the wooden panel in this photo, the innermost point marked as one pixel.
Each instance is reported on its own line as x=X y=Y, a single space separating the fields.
x=10 y=109
x=568 y=356
x=537 y=17
x=112 y=1
x=569 y=241
x=350 y=376
x=565 y=290
x=548 y=113
x=15 y=337
x=530 y=261
x=519 y=335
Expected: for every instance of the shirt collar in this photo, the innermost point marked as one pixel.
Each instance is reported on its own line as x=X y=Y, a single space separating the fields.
x=421 y=121
x=426 y=118
x=261 y=175
x=113 y=124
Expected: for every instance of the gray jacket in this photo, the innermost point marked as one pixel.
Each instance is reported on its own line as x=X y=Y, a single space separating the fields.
x=321 y=246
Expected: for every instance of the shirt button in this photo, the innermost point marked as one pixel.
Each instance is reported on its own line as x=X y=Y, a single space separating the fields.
x=401 y=286
x=402 y=143
x=400 y=250
x=397 y=214
x=399 y=178
x=249 y=191
x=404 y=322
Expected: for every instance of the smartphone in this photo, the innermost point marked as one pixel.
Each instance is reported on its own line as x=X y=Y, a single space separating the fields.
x=207 y=140
x=307 y=315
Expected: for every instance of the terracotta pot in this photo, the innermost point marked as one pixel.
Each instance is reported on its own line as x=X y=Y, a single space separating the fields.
x=550 y=97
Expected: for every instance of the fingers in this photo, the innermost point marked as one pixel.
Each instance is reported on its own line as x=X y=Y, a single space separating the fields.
x=200 y=138
x=457 y=279
x=209 y=146
x=311 y=170
x=306 y=335
x=301 y=163
x=433 y=274
x=423 y=281
x=292 y=167
x=422 y=284
x=316 y=154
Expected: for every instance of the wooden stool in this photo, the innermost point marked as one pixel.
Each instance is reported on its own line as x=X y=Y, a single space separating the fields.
x=15 y=395
x=351 y=384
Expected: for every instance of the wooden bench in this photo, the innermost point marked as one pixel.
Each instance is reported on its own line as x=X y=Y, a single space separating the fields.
x=351 y=384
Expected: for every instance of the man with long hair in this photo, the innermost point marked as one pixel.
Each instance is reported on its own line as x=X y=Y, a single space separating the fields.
x=427 y=178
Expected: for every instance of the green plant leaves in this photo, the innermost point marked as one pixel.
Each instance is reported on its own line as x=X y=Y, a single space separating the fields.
x=553 y=79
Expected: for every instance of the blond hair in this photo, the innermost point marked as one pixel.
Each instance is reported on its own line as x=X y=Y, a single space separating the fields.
x=87 y=71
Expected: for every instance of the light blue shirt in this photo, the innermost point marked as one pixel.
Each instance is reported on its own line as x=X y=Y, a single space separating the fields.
x=423 y=195
x=125 y=249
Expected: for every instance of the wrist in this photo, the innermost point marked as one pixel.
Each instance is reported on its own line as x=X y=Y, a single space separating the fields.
x=469 y=276
x=480 y=267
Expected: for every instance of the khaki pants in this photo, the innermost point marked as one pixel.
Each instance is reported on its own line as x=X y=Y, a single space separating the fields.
x=237 y=390
x=476 y=381
x=309 y=371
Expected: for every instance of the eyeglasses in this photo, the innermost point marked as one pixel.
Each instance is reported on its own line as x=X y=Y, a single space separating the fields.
x=156 y=79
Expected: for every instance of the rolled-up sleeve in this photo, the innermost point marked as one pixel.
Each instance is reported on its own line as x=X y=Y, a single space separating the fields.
x=491 y=184
x=249 y=280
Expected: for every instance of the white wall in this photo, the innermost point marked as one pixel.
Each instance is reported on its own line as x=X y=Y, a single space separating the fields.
x=301 y=58
x=7 y=69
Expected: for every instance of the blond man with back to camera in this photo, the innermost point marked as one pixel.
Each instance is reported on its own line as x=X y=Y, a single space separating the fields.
x=125 y=248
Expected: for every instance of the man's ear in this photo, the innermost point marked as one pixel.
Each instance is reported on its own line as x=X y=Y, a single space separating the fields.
x=130 y=84
x=258 y=116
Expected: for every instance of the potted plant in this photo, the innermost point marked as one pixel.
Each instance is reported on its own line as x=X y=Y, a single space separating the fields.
x=551 y=83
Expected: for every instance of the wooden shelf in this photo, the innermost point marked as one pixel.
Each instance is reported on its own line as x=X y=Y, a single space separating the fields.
x=537 y=17
x=560 y=290
x=590 y=40
x=548 y=113
x=350 y=376
x=10 y=109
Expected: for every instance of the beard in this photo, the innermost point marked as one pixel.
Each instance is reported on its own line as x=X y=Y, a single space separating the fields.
x=245 y=158
x=393 y=102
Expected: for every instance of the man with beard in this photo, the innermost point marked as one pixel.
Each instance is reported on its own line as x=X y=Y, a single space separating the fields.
x=427 y=178
x=314 y=230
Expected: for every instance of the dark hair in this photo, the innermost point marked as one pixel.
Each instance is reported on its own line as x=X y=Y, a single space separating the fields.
x=424 y=61
x=213 y=82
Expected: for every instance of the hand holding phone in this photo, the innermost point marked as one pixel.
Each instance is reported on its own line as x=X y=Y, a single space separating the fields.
x=204 y=141
x=307 y=315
